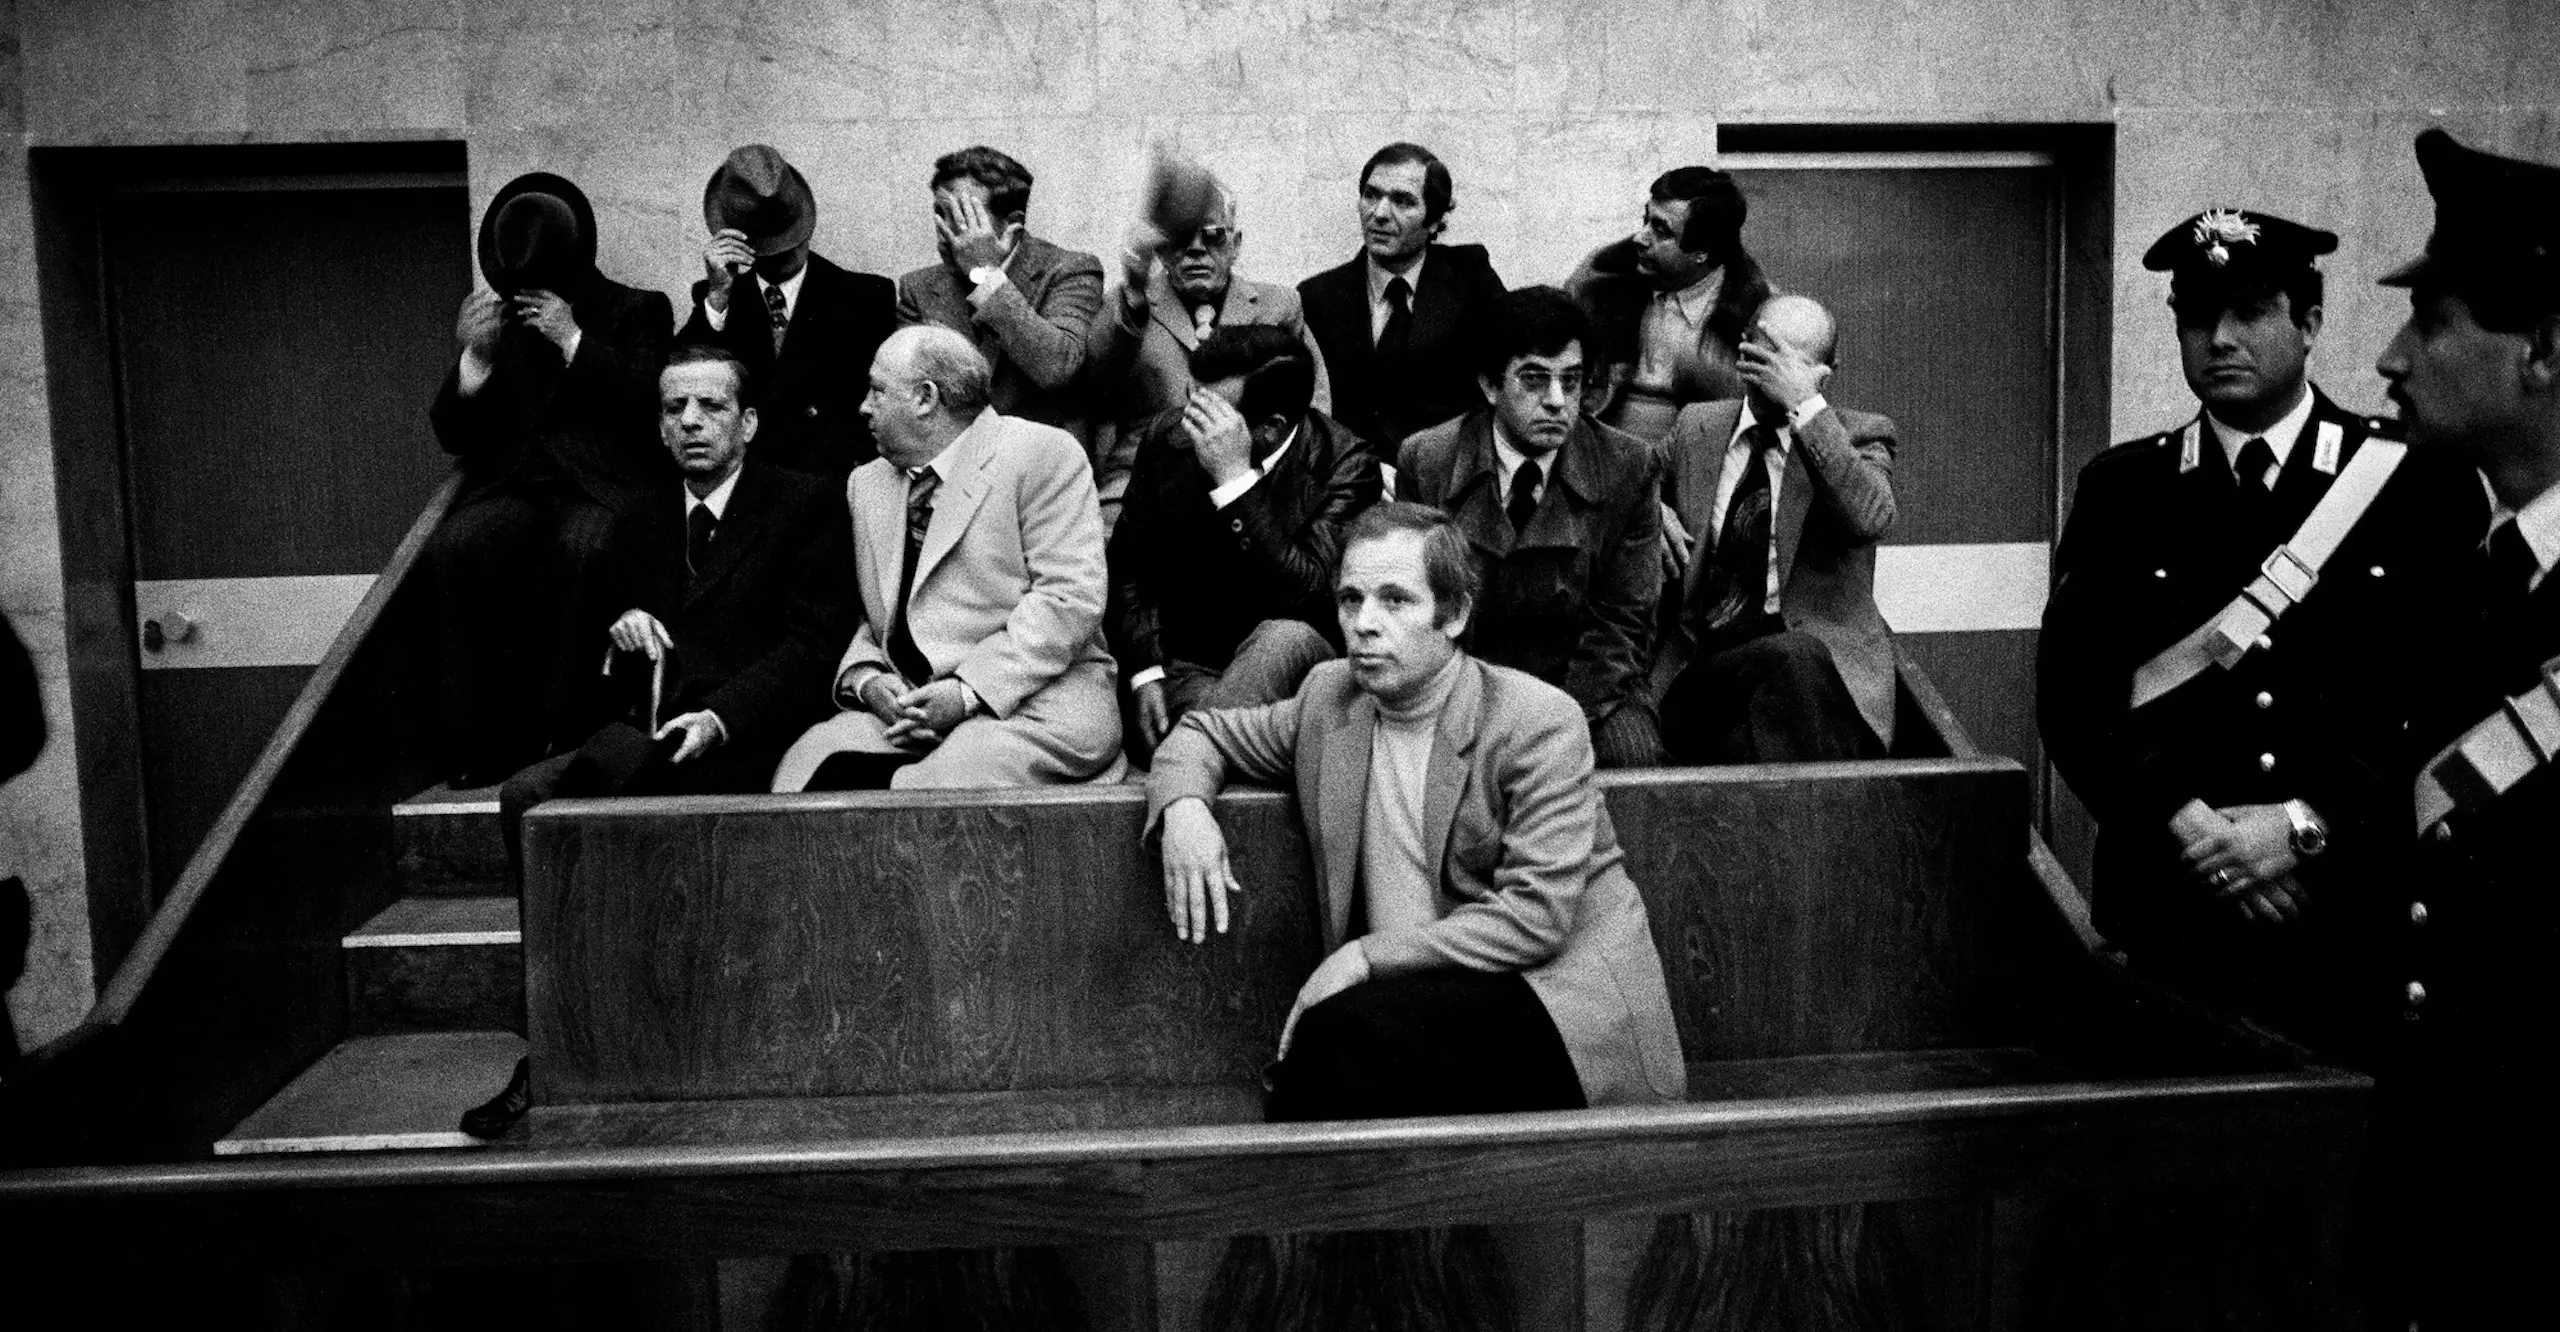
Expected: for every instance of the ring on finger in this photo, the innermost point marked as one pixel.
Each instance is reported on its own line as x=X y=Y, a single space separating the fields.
x=2225 y=877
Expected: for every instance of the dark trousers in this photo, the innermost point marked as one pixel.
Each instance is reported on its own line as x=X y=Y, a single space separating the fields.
x=521 y=589
x=1776 y=697
x=1268 y=666
x=1447 y=1041
x=621 y=760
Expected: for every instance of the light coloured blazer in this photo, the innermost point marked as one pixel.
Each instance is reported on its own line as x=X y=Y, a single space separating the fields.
x=1834 y=506
x=1528 y=867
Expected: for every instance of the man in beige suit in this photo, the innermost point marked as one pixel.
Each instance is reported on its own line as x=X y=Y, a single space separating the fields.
x=1174 y=291
x=1778 y=653
x=1026 y=304
x=978 y=547
x=1488 y=951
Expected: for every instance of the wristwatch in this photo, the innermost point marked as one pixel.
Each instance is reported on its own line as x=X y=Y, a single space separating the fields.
x=984 y=274
x=2310 y=831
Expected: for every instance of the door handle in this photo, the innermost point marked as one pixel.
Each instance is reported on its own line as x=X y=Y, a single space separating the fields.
x=168 y=627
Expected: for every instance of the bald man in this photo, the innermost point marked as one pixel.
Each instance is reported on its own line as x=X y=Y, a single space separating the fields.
x=1776 y=653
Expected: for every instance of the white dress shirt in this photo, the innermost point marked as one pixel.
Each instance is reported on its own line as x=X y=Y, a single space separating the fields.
x=717 y=501
x=1508 y=457
x=1737 y=455
x=719 y=319
x=2539 y=521
x=2280 y=437
x=1379 y=309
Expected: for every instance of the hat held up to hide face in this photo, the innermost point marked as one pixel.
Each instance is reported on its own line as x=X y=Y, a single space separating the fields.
x=2497 y=233
x=763 y=197
x=539 y=232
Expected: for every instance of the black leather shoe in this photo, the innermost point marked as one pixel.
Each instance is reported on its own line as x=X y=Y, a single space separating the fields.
x=493 y=1117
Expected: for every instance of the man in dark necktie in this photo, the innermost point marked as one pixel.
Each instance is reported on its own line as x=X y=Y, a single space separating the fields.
x=797 y=321
x=981 y=660
x=739 y=587
x=2245 y=791
x=2475 y=373
x=1776 y=652
x=1396 y=323
x=1564 y=515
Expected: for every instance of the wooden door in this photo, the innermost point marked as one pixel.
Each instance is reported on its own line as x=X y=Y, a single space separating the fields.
x=275 y=342
x=1943 y=269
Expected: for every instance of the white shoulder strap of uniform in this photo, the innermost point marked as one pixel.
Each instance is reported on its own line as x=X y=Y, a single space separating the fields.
x=2284 y=579
x=2503 y=749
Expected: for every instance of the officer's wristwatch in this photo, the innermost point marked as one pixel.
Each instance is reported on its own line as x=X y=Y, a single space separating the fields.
x=2310 y=831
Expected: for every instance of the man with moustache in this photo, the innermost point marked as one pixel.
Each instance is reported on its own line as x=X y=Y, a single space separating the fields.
x=1776 y=653
x=806 y=322
x=2229 y=658
x=1670 y=303
x=546 y=412
x=1025 y=304
x=1565 y=518
x=2460 y=1162
x=1395 y=323
x=1174 y=292
x=739 y=583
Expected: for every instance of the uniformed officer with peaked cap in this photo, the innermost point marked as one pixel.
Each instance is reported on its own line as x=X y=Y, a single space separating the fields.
x=2462 y=1147
x=2225 y=689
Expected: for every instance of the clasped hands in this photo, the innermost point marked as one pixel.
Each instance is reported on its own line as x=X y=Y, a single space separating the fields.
x=640 y=632
x=484 y=313
x=916 y=718
x=1197 y=879
x=2244 y=854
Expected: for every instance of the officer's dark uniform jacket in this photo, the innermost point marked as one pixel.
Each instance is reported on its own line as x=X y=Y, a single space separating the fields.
x=2155 y=547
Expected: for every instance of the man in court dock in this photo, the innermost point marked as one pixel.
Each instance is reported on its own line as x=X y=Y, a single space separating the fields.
x=1670 y=304
x=1487 y=951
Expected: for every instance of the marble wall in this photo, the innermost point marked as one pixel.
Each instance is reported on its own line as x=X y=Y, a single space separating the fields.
x=1552 y=113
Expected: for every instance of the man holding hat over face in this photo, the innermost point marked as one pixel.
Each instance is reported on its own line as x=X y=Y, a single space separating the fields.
x=803 y=327
x=548 y=411
x=2242 y=609
x=2459 y=1147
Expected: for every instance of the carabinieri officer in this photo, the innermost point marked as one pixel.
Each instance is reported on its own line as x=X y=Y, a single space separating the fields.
x=2240 y=607
x=2461 y=1144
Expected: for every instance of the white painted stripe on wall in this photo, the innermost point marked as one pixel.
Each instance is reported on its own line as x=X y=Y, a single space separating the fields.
x=1882 y=161
x=1963 y=589
x=249 y=621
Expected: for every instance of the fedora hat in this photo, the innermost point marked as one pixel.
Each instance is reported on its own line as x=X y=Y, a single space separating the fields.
x=762 y=196
x=539 y=231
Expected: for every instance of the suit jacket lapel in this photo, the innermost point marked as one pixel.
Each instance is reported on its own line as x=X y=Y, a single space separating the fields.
x=737 y=531
x=879 y=514
x=1167 y=309
x=959 y=497
x=1342 y=790
x=1475 y=498
x=1435 y=303
x=1446 y=781
x=807 y=329
x=1795 y=500
x=1714 y=438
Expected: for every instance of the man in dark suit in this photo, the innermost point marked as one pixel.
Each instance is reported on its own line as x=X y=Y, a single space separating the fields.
x=807 y=327
x=1222 y=563
x=740 y=585
x=1565 y=517
x=2460 y=1162
x=1026 y=304
x=548 y=412
x=1776 y=652
x=2235 y=725
x=1670 y=303
x=1395 y=322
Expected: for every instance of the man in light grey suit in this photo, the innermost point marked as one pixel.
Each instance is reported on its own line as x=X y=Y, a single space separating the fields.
x=1488 y=951
x=978 y=547
x=1777 y=653
x=1174 y=291
x=1026 y=304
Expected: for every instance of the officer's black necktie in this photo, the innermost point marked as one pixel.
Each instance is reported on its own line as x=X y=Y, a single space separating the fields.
x=2512 y=566
x=699 y=526
x=1399 y=330
x=1524 y=495
x=1737 y=584
x=903 y=652
x=2256 y=459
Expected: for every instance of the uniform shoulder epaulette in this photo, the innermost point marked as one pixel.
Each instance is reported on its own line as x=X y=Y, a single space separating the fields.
x=2137 y=447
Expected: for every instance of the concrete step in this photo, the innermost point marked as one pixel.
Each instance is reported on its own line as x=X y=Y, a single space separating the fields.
x=436 y=964
x=448 y=844
x=379 y=1093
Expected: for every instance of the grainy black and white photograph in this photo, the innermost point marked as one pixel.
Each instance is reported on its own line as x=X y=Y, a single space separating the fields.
x=1279 y=665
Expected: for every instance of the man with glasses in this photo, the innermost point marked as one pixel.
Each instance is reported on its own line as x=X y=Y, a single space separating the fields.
x=1565 y=518
x=1174 y=292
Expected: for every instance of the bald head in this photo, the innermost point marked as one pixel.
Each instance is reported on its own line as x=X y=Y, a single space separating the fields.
x=1801 y=325
x=927 y=384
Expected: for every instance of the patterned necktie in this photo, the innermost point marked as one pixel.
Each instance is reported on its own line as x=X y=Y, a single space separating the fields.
x=779 y=311
x=1399 y=329
x=1737 y=583
x=903 y=652
x=1204 y=321
x=1524 y=495
x=699 y=526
